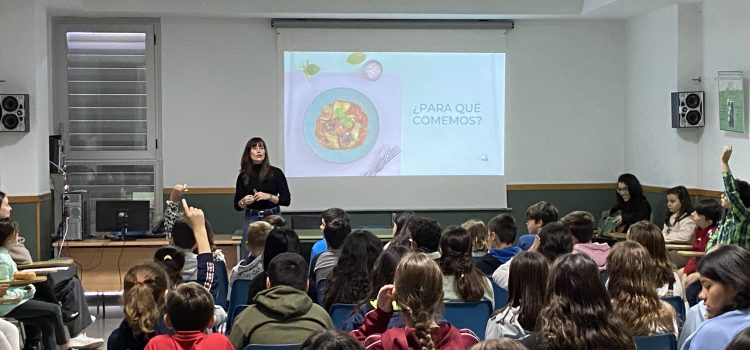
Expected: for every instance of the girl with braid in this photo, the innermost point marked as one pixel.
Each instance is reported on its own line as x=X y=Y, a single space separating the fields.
x=417 y=289
x=462 y=280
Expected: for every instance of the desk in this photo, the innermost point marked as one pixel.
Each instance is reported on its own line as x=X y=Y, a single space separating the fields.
x=691 y=254
x=36 y=279
x=672 y=246
x=103 y=263
x=312 y=235
x=617 y=235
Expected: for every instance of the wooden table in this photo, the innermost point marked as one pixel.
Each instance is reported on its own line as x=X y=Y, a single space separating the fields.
x=617 y=235
x=37 y=279
x=103 y=263
x=672 y=246
x=691 y=254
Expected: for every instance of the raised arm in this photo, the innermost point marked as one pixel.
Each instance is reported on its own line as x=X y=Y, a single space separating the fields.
x=171 y=210
x=725 y=155
x=197 y=222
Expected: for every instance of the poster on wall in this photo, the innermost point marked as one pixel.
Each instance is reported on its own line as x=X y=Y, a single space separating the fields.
x=731 y=102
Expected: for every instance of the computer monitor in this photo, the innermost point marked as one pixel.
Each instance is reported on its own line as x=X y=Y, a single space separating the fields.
x=117 y=215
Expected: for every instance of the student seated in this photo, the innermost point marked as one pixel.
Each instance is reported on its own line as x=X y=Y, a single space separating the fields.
x=17 y=301
x=735 y=228
x=581 y=226
x=417 y=289
x=462 y=281
x=326 y=217
x=189 y=311
x=706 y=216
x=537 y=215
x=349 y=282
x=578 y=314
x=725 y=276
x=667 y=282
x=632 y=205
x=331 y=340
x=526 y=298
x=283 y=313
x=399 y=227
x=480 y=236
x=335 y=234
x=502 y=235
x=554 y=240
x=634 y=298
x=679 y=225
x=280 y=240
x=251 y=266
x=425 y=235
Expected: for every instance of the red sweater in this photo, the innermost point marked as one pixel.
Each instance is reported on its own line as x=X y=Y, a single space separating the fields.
x=373 y=334
x=699 y=244
x=190 y=340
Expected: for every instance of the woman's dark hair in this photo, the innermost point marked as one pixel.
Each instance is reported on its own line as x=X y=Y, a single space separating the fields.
x=578 y=314
x=634 y=188
x=349 y=282
x=527 y=287
x=711 y=209
x=246 y=164
x=455 y=260
x=741 y=341
x=554 y=240
x=686 y=205
x=402 y=237
x=650 y=236
x=330 y=340
x=172 y=260
x=280 y=240
x=729 y=265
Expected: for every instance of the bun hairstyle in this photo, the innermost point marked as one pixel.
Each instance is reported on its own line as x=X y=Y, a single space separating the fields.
x=144 y=291
x=172 y=260
x=419 y=291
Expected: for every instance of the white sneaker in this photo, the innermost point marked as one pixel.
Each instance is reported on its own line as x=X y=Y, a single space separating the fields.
x=82 y=341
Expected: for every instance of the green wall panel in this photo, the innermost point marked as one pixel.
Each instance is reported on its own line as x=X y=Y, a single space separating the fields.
x=25 y=215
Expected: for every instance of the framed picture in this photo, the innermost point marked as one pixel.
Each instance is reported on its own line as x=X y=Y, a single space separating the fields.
x=731 y=102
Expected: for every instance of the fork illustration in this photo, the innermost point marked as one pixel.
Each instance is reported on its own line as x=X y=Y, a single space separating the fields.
x=387 y=153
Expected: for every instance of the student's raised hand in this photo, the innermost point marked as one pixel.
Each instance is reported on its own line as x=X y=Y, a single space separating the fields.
x=177 y=192
x=193 y=216
x=385 y=298
x=726 y=153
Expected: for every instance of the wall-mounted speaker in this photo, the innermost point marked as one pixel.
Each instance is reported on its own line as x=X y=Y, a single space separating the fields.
x=14 y=113
x=687 y=109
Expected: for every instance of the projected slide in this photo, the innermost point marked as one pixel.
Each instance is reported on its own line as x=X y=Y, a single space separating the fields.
x=393 y=113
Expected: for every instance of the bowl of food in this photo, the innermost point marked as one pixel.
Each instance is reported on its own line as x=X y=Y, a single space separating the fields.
x=341 y=125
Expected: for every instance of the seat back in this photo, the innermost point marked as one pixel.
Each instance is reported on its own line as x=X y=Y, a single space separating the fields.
x=469 y=315
x=239 y=297
x=339 y=313
x=234 y=312
x=272 y=346
x=222 y=284
x=320 y=291
x=656 y=342
x=501 y=296
x=677 y=304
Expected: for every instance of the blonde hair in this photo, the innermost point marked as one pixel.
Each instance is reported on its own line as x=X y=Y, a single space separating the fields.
x=419 y=292
x=257 y=234
x=480 y=235
x=144 y=288
x=631 y=288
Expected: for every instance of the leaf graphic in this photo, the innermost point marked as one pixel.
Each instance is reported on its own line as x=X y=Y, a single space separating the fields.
x=356 y=58
x=311 y=69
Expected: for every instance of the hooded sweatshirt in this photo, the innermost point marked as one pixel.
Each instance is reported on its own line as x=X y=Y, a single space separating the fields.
x=374 y=336
x=280 y=314
x=596 y=251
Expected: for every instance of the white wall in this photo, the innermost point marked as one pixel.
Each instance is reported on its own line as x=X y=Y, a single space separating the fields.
x=23 y=156
x=565 y=101
x=219 y=89
x=726 y=46
x=656 y=153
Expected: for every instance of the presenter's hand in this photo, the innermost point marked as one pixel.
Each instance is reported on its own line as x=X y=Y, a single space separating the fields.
x=247 y=200
x=177 y=192
x=262 y=196
x=193 y=216
x=385 y=298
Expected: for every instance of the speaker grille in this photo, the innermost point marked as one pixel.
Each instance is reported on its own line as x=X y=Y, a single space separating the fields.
x=692 y=101
x=10 y=103
x=10 y=121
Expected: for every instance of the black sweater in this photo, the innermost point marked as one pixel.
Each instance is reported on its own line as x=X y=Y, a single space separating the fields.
x=632 y=211
x=275 y=184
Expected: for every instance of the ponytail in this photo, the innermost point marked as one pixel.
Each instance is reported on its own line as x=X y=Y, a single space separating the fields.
x=143 y=298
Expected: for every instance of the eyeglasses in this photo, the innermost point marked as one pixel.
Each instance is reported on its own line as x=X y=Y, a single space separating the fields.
x=622 y=189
